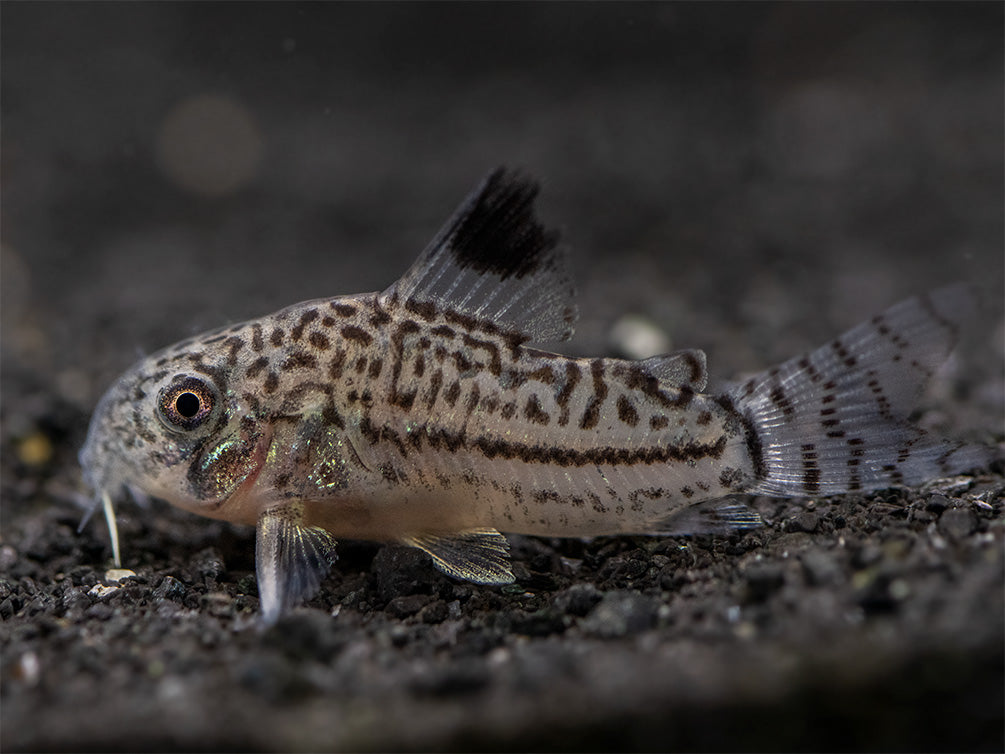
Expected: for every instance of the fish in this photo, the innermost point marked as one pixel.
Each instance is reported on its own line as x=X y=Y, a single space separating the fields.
x=424 y=415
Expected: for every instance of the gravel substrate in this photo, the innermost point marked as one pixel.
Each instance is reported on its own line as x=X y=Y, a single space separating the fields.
x=750 y=180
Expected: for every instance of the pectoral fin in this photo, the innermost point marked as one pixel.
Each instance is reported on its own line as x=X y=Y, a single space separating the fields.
x=479 y=555
x=290 y=559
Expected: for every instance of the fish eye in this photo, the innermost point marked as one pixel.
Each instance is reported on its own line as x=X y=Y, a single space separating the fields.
x=187 y=404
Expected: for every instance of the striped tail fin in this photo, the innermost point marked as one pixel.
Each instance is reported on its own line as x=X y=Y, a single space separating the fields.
x=836 y=420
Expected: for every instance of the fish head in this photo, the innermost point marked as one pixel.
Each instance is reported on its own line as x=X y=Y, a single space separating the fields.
x=173 y=427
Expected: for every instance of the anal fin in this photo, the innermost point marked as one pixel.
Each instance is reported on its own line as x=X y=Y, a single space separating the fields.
x=709 y=517
x=479 y=555
x=291 y=559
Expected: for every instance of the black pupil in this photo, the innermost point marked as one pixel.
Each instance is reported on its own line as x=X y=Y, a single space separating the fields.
x=187 y=405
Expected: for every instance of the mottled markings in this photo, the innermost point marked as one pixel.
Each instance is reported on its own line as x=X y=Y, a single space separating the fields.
x=464 y=365
x=635 y=377
x=591 y=416
x=543 y=374
x=627 y=412
x=731 y=478
x=452 y=393
x=257 y=341
x=444 y=331
x=140 y=426
x=687 y=491
x=343 y=309
x=508 y=410
x=361 y=364
x=319 y=340
x=427 y=310
x=327 y=321
x=752 y=438
x=419 y=365
x=694 y=365
x=433 y=390
x=379 y=317
x=533 y=411
x=277 y=336
x=305 y=319
x=271 y=383
x=404 y=400
x=375 y=366
x=299 y=360
x=704 y=418
x=495 y=362
x=513 y=340
x=473 y=397
x=337 y=364
x=658 y=422
x=257 y=366
x=252 y=401
x=572 y=376
x=357 y=334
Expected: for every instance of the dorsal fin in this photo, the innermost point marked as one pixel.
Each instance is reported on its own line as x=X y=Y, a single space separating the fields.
x=493 y=260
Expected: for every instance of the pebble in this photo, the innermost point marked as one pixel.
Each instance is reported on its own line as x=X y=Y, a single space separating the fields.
x=115 y=575
x=957 y=523
x=403 y=607
x=578 y=599
x=805 y=522
x=638 y=337
x=937 y=503
x=402 y=571
x=170 y=588
x=621 y=613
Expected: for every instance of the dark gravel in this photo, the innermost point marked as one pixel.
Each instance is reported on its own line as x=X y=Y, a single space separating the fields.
x=747 y=179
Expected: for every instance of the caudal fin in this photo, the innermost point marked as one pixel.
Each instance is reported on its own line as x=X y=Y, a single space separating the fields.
x=835 y=420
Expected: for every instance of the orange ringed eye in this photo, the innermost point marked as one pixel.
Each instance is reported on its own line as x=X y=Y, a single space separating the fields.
x=187 y=403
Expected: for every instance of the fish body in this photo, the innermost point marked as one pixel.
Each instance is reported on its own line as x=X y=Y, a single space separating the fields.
x=421 y=415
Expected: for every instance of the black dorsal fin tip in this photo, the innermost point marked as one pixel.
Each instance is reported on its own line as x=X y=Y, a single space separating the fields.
x=498 y=231
x=493 y=261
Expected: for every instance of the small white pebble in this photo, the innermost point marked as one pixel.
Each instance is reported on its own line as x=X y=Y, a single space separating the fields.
x=639 y=338
x=900 y=589
x=116 y=575
x=29 y=668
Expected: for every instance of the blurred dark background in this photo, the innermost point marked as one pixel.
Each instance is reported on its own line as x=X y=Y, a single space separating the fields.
x=170 y=166
x=747 y=178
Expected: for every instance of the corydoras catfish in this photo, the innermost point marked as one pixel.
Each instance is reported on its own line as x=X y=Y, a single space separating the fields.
x=421 y=415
